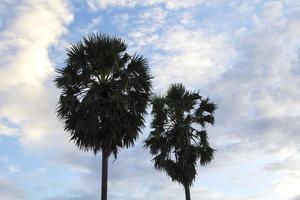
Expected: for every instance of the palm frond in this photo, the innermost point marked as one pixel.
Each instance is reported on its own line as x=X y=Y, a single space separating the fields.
x=175 y=143
x=104 y=93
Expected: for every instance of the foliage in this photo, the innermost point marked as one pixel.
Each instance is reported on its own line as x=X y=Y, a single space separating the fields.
x=179 y=139
x=104 y=93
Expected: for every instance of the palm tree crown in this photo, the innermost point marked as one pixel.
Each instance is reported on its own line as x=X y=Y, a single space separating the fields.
x=104 y=96
x=104 y=93
x=179 y=139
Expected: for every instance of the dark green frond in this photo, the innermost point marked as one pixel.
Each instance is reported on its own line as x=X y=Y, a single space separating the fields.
x=174 y=141
x=104 y=93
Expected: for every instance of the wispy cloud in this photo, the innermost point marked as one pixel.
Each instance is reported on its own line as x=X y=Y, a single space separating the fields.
x=9 y=190
x=243 y=54
x=169 y=4
x=35 y=26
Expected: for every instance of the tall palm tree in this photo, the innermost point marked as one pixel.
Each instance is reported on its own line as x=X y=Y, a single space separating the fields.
x=179 y=139
x=104 y=95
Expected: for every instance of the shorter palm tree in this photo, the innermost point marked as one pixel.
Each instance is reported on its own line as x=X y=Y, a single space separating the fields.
x=179 y=139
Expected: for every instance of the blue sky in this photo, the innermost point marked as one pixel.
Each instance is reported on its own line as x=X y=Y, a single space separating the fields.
x=243 y=54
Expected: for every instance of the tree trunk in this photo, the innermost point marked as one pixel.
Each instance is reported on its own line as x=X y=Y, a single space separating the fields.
x=187 y=192
x=105 y=156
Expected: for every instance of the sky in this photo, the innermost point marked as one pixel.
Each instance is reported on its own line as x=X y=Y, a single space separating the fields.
x=243 y=54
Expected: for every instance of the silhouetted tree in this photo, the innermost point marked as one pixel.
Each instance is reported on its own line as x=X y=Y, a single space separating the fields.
x=179 y=139
x=104 y=95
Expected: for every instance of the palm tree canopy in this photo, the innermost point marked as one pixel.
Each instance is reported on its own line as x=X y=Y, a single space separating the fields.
x=179 y=139
x=104 y=93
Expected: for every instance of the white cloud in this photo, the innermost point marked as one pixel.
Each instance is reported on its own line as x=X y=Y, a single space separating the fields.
x=187 y=18
x=8 y=131
x=259 y=96
x=169 y=4
x=28 y=61
x=4 y=159
x=27 y=100
x=288 y=175
x=121 y=20
x=9 y=190
x=250 y=71
x=151 y=20
x=12 y=169
x=192 y=57
x=92 y=26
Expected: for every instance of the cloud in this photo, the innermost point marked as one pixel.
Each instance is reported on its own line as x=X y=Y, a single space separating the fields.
x=250 y=71
x=288 y=164
x=4 y=159
x=28 y=47
x=9 y=190
x=286 y=173
x=190 y=53
x=179 y=50
x=286 y=185
x=130 y=178
x=92 y=26
x=258 y=98
x=296 y=197
x=12 y=169
x=248 y=65
x=121 y=20
x=26 y=68
x=169 y=4
x=75 y=194
x=8 y=131
x=151 y=20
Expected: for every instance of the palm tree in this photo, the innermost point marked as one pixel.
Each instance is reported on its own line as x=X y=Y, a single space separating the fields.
x=104 y=95
x=179 y=139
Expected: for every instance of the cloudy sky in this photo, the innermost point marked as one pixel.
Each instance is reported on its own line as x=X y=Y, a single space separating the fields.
x=243 y=54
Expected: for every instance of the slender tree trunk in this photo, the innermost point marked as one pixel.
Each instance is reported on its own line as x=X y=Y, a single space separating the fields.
x=187 y=192
x=105 y=156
